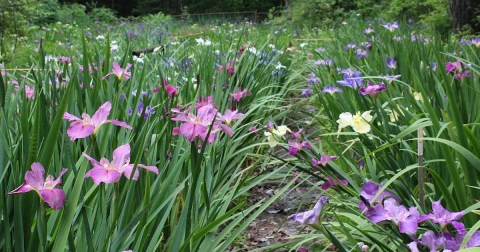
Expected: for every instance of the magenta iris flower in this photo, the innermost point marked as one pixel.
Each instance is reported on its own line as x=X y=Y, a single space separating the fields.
x=81 y=128
x=441 y=215
x=372 y=89
x=34 y=180
x=311 y=216
x=332 y=182
x=294 y=147
x=119 y=72
x=110 y=172
x=324 y=159
x=456 y=69
x=297 y=134
x=240 y=93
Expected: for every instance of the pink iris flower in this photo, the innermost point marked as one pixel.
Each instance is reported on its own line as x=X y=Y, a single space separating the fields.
x=119 y=72
x=230 y=116
x=81 y=128
x=240 y=93
x=199 y=125
x=34 y=180
x=110 y=172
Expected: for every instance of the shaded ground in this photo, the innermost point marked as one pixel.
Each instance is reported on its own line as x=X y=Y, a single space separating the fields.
x=272 y=226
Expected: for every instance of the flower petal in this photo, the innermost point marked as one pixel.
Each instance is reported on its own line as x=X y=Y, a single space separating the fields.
x=22 y=189
x=153 y=169
x=79 y=130
x=121 y=155
x=55 y=198
x=100 y=175
x=35 y=177
x=71 y=117
x=120 y=124
x=101 y=114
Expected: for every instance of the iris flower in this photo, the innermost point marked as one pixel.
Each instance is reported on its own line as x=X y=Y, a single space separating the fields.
x=81 y=128
x=110 y=172
x=280 y=132
x=331 y=90
x=311 y=216
x=441 y=215
x=200 y=124
x=34 y=180
x=294 y=147
x=119 y=72
x=324 y=159
x=358 y=122
x=372 y=89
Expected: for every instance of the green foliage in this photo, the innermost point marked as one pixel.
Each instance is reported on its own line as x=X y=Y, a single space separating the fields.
x=158 y=19
x=101 y=14
x=72 y=13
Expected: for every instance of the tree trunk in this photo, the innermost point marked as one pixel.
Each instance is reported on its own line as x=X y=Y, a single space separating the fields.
x=463 y=13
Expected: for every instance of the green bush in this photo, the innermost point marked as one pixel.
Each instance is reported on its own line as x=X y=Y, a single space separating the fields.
x=102 y=15
x=70 y=13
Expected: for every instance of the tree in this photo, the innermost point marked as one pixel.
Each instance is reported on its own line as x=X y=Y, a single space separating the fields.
x=463 y=14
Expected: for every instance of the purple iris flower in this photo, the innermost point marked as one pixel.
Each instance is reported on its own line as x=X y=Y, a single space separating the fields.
x=361 y=53
x=311 y=216
x=406 y=220
x=441 y=215
x=475 y=41
x=351 y=78
x=331 y=90
x=391 y=26
x=369 y=190
x=372 y=89
x=430 y=240
x=392 y=63
x=312 y=79
x=368 y=30
x=323 y=62
x=306 y=92
x=349 y=46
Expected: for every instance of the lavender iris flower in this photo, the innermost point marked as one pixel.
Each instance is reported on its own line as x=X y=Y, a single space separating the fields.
x=311 y=217
x=391 y=26
x=391 y=63
x=312 y=79
x=331 y=90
